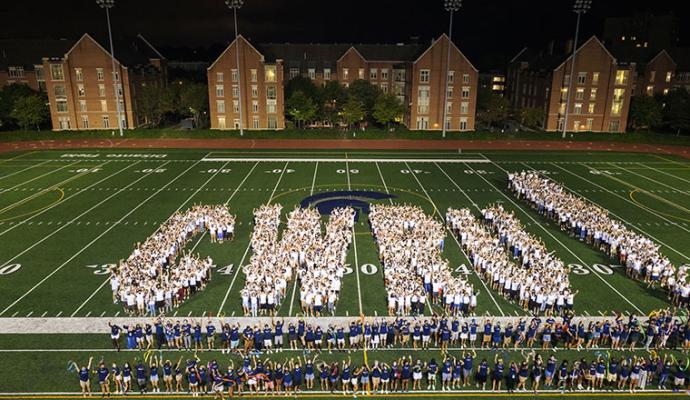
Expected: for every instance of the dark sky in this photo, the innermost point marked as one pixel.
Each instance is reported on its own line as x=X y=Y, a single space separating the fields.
x=488 y=31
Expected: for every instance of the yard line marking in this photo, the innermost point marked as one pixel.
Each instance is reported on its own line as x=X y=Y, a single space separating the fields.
x=18 y=156
x=73 y=219
x=44 y=314
x=25 y=169
x=657 y=170
x=340 y=160
x=38 y=177
x=655 y=181
x=316 y=167
x=384 y=181
x=95 y=240
x=354 y=241
x=510 y=199
x=612 y=213
x=157 y=229
x=458 y=242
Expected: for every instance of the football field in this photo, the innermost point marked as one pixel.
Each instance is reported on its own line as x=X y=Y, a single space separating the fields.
x=65 y=216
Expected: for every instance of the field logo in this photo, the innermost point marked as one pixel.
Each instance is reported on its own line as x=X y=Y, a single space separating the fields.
x=358 y=199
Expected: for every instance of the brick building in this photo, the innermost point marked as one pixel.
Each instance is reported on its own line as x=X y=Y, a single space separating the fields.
x=21 y=60
x=80 y=83
x=601 y=89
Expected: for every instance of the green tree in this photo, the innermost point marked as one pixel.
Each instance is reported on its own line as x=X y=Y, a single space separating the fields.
x=193 y=101
x=300 y=108
x=676 y=110
x=30 y=111
x=151 y=103
x=645 y=112
x=531 y=116
x=333 y=97
x=9 y=95
x=353 y=111
x=491 y=107
x=366 y=93
x=387 y=109
x=304 y=85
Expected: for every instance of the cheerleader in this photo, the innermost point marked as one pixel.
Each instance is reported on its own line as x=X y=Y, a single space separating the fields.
x=126 y=377
x=84 y=378
x=103 y=379
x=117 y=378
x=153 y=376
x=309 y=372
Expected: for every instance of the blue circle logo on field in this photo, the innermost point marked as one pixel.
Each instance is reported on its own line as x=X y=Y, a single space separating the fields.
x=358 y=199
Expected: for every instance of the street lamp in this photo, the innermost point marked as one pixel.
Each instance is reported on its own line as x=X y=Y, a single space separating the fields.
x=451 y=6
x=234 y=5
x=107 y=5
x=580 y=7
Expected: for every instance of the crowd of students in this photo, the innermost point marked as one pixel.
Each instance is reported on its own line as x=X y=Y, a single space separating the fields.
x=149 y=281
x=318 y=262
x=410 y=243
x=592 y=224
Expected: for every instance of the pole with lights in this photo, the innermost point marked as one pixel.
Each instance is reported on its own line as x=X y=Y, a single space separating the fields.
x=451 y=6
x=235 y=5
x=107 y=5
x=580 y=7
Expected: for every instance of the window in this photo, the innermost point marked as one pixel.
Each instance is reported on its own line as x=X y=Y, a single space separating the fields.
x=384 y=74
x=464 y=107
x=564 y=93
x=577 y=109
x=588 y=125
x=235 y=91
x=15 y=72
x=270 y=106
x=465 y=78
x=119 y=89
x=294 y=72
x=666 y=91
x=360 y=73
x=346 y=73
x=106 y=121
x=593 y=94
x=399 y=75
x=61 y=105
x=56 y=72
x=451 y=76
x=579 y=93
x=595 y=78
x=235 y=106
x=422 y=123
x=576 y=125
x=99 y=74
x=650 y=90
x=581 y=78
x=463 y=123
x=59 y=91
x=590 y=107
x=104 y=105
x=652 y=76
x=566 y=79
x=116 y=76
x=449 y=93
x=311 y=72
x=101 y=90
x=617 y=105
x=220 y=106
x=272 y=122
x=39 y=73
x=271 y=92
x=82 y=106
x=384 y=87
x=236 y=124
x=63 y=122
x=270 y=73
x=221 y=122
x=219 y=77
x=255 y=122
x=668 y=76
x=424 y=76
x=327 y=74
x=234 y=75
x=560 y=124
x=78 y=75
x=220 y=91
x=465 y=92
x=449 y=107
x=254 y=75
x=255 y=106
x=373 y=74
x=255 y=91
x=614 y=125
x=621 y=77
x=448 y=122
x=561 y=108
x=423 y=100
x=85 y=121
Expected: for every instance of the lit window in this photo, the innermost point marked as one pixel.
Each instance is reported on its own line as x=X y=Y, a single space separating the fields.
x=581 y=78
x=327 y=74
x=254 y=75
x=311 y=72
x=652 y=76
x=595 y=78
x=270 y=73
x=384 y=74
x=99 y=74
x=80 y=90
x=234 y=75
x=578 y=109
x=579 y=93
x=451 y=76
x=346 y=73
x=78 y=75
x=221 y=122
x=219 y=77
x=101 y=90
x=235 y=106
x=220 y=106
x=85 y=121
x=360 y=73
x=373 y=74
x=591 y=108
x=255 y=91
x=106 y=121
x=104 y=105
x=294 y=72
x=650 y=90
x=82 y=105
x=255 y=122
x=235 y=91
x=465 y=78
x=464 y=107
x=450 y=92
x=621 y=77
x=593 y=94
x=56 y=72
x=668 y=76
x=220 y=91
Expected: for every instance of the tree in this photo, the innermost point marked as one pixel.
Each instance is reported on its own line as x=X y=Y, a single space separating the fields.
x=194 y=101
x=333 y=97
x=353 y=111
x=491 y=107
x=304 y=85
x=366 y=93
x=9 y=95
x=30 y=111
x=532 y=117
x=387 y=109
x=645 y=112
x=151 y=103
x=301 y=108
x=676 y=110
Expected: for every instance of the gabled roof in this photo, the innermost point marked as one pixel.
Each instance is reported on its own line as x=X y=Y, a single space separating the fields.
x=128 y=51
x=29 y=52
x=591 y=39
x=239 y=38
x=352 y=48
x=444 y=36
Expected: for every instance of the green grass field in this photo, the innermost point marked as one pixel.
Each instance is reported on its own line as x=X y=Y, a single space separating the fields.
x=66 y=215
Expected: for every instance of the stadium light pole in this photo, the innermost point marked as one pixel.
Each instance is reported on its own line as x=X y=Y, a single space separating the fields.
x=580 y=7
x=107 y=5
x=451 y=6
x=234 y=5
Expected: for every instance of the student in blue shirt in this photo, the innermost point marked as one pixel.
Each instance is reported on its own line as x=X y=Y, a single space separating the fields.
x=153 y=376
x=117 y=378
x=103 y=379
x=126 y=377
x=210 y=336
x=197 y=337
x=141 y=376
x=115 y=335
x=84 y=378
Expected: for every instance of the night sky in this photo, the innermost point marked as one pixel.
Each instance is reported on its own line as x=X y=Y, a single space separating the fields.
x=488 y=31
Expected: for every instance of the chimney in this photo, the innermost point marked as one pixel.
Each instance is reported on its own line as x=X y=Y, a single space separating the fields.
x=568 y=46
x=551 y=46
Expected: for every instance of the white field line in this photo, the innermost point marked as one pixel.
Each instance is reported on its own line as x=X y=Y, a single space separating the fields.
x=657 y=170
x=157 y=229
x=354 y=244
x=339 y=160
x=313 y=180
x=609 y=211
x=25 y=169
x=460 y=246
x=38 y=177
x=384 y=181
x=249 y=245
x=95 y=240
x=77 y=217
x=650 y=211
x=510 y=199
x=654 y=181
x=68 y=197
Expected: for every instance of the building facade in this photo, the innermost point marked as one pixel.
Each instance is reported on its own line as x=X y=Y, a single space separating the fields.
x=601 y=87
x=258 y=84
x=81 y=83
x=21 y=60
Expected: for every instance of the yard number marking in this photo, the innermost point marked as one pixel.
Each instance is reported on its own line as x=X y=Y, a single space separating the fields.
x=578 y=269
x=101 y=269
x=9 y=268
